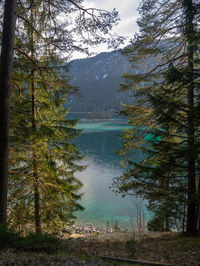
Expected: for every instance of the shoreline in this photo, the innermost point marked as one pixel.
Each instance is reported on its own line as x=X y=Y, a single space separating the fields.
x=89 y=229
x=97 y=120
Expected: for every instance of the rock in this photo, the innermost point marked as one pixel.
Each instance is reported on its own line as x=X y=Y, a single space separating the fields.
x=86 y=229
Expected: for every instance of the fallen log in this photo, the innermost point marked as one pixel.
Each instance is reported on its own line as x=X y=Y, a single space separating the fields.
x=134 y=261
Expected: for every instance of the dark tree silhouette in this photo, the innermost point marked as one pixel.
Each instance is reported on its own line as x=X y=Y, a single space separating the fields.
x=5 y=88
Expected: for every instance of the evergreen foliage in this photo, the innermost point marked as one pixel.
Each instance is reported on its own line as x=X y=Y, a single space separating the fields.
x=43 y=160
x=165 y=119
x=43 y=189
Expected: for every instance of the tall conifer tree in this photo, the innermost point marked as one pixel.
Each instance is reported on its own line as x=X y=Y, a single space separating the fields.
x=42 y=181
x=43 y=188
x=168 y=99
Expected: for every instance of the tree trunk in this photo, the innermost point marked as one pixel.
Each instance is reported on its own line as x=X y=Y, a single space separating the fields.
x=5 y=89
x=34 y=159
x=191 y=206
x=184 y=216
x=36 y=196
x=167 y=223
x=198 y=208
x=34 y=156
x=167 y=228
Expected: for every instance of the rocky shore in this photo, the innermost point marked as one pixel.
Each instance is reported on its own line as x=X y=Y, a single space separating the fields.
x=89 y=229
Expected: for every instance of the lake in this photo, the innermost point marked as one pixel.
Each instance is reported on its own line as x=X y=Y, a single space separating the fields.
x=99 y=141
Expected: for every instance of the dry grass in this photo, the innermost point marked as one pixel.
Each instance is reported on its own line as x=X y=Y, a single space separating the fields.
x=156 y=247
x=171 y=248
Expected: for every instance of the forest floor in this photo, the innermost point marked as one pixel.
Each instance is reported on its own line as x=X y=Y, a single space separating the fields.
x=163 y=248
x=166 y=248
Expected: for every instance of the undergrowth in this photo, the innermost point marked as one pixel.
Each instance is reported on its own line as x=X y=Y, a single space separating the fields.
x=34 y=242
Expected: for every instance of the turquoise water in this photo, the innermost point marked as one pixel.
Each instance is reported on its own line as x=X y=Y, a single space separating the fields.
x=99 y=141
x=110 y=125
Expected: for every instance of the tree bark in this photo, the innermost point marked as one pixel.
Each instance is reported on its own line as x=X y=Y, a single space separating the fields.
x=198 y=208
x=34 y=156
x=5 y=90
x=34 y=162
x=167 y=228
x=191 y=206
x=36 y=196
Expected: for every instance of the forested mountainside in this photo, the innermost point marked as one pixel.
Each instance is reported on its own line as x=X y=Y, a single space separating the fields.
x=99 y=79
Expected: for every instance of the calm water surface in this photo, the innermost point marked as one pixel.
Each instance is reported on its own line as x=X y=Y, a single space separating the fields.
x=99 y=141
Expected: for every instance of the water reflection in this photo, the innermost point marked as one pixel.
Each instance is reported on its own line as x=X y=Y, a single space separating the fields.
x=101 y=203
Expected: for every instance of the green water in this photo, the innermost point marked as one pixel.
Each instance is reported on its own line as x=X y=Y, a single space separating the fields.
x=110 y=125
x=99 y=141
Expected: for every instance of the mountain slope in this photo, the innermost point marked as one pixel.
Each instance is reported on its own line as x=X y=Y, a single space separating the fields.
x=99 y=79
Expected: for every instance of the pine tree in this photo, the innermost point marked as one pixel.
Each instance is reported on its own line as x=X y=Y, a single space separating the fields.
x=168 y=96
x=43 y=159
x=55 y=36
x=46 y=151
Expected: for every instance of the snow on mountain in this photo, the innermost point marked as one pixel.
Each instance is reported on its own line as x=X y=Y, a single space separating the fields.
x=99 y=79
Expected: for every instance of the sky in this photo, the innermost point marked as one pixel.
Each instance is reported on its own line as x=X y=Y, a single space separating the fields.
x=127 y=12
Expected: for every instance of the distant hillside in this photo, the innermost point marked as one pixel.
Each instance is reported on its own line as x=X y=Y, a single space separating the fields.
x=99 y=79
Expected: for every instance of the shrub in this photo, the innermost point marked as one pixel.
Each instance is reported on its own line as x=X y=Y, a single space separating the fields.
x=8 y=238
x=156 y=225
x=38 y=242
x=131 y=244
